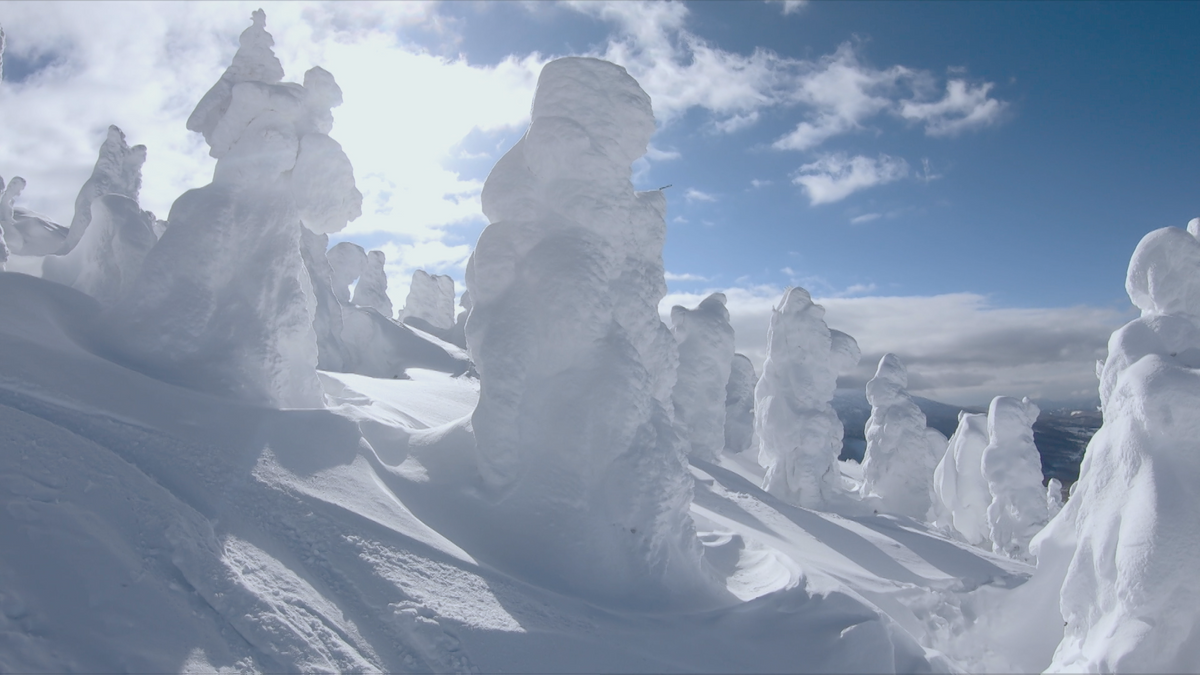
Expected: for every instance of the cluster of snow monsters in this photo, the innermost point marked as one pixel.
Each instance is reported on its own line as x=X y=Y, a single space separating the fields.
x=589 y=405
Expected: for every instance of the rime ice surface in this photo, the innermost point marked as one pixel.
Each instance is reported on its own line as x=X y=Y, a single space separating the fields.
x=799 y=433
x=902 y=452
x=110 y=234
x=739 y=404
x=347 y=261
x=327 y=320
x=573 y=426
x=430 y=302
x=959 y=484
x=1012 y=468
x=224 y=302
x=1126 y=540
x=705 y=352
x=371 y=291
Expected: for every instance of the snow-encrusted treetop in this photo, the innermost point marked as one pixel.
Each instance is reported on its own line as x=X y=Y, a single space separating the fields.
x=118 y=171
x=1164 y=272
x=254 y=61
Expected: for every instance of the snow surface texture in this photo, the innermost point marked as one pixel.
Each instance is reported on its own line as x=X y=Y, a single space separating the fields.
x=110 y=234
x=223 y=302
x=739 y=404
x=958 y=481
x=705 y=353
x=902 y=452
x=1013 y=471
x=430 y=303
x=371 y=290
x=574 y=425
x=1124 y=545
x=799 y=433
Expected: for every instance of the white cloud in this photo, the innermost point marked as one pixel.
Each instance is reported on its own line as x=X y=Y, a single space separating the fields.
x=736 y=122
x=756 y=183
x=792 y=6
x=694 y=195
x=866 y=218
x=659 y=155
x=964 y=107
x=670 y=276
x=834 y=177
x=959 y=347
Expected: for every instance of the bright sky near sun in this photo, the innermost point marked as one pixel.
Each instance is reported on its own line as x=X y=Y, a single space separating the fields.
x=960 y=183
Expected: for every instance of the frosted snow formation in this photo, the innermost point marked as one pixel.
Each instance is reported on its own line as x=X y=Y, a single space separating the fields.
x=430 y=303
x=739 y=404
x=223 y=302
x=1012 y=468
x=26 y=233
x=371 y=290
x=8 y=194
x=347 y=261
x=110 y=234
x=962 y=491
x=574 y=425
x=327 y=318
x=1126 y=540
x=705 y=354
x=902 y=452
x=800 y=435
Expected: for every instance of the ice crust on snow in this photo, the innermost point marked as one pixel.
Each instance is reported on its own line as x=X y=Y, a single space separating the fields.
x=371 y=290
x=430 y=302
x=705 y=355
x=1012 y=468
x=958 y=481
x=902 y=453
x=574 y=426
x=110 y=234
x=224 y=302
x=799 y=433
x=739 y=404
x=1125 y=541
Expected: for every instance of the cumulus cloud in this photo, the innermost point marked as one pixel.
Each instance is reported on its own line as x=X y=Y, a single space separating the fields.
x=833 y=177
x=964 y=107
x=694 y=195
x=671 y=276
x=959 y=347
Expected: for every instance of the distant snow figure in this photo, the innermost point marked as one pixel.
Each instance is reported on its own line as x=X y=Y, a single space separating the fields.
x=430 y=303
x=371 y=291
x=959 y=484
x=705 y=355
x=347 y=261
x=1126 y=541
x=902 y=452
x=223 y=302
x=7 y=197
x=739 y=404
x=110 y=234
x=1012 y=468
x=574 y=425
x=800 y=435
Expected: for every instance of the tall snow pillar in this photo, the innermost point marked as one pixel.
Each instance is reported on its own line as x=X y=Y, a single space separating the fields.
x=799 y=433
x=958 y=481
x=902 y=452
x=1012 y=468
x=1126 y=540
x=739 y=404
x=705 y=353
x=223 y=302
x=574 y=427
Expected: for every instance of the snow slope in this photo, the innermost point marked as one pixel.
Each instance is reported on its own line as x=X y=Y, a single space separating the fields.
x=219 y=534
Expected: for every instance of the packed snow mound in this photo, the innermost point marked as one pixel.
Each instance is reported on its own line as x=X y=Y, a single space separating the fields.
x=902 y=453
x=799 y=433
x=347 y=261
x=958 y=481
x=739 y=404
x=371 y=290
x=430 y=302
x=574 y=425
x=105 y=247
x=223 y=302
x=1123 y=543
x=1013 y=471
x=705 y=355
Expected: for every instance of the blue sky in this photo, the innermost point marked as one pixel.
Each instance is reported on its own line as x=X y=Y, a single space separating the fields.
x=960 y=183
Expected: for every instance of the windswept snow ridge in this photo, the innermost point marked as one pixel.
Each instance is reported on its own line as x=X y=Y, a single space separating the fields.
x=574 y=426
x=705 y=353
x=799 y=433
x=223 y=302
x=1125 y=542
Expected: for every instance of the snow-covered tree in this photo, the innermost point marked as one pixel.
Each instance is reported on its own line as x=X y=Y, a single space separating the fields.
x=705 y=353
x=739 y=404
x=430 y=302
x=958 y=481
x=1012 y=468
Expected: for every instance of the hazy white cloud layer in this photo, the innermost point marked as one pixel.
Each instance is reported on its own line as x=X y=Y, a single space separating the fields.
x=958 y=347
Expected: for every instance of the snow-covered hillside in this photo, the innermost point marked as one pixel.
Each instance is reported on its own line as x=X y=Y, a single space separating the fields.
x=215 y=458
